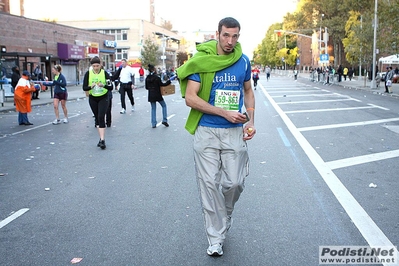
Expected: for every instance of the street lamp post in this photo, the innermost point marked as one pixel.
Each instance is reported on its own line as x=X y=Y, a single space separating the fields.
x=373 y=83
x=321 y=21
x=163 y=52
x=285 y=46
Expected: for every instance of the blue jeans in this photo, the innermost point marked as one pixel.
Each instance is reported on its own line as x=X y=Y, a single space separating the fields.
x=154 y=112
x=23 y=118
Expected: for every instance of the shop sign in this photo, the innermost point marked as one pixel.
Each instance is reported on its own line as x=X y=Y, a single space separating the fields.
x=70 y=51
x=110 y=44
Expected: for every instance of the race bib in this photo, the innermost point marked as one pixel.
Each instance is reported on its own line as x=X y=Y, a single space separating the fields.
x=227 y=99
x=97 y=89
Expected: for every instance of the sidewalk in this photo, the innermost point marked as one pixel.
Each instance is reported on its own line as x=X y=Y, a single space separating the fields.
x=75 y=92
x=359 y=84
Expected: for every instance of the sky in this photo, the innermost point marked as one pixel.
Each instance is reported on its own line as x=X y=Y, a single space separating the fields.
x=255 y=17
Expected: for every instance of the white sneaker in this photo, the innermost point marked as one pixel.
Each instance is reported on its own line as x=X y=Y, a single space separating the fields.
x=56 y=122
x=123 y=111
x=215 y=250
x=65 y=121
x=133 y=109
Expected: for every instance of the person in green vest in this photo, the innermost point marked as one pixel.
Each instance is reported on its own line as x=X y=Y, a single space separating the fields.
x=97 y=83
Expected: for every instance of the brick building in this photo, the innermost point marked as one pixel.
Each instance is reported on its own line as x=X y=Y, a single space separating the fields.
x=129 y=36
x=30 y=42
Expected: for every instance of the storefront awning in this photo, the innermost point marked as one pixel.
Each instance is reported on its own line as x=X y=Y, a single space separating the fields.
x=107 y=51
x=24 y=54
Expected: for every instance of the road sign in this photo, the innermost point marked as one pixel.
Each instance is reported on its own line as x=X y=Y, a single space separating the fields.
x=324 y=57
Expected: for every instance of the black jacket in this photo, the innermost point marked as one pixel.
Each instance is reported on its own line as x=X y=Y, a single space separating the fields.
x=15 y=77
x=153 y=84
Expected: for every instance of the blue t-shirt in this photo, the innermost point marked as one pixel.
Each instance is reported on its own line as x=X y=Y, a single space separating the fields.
x=227 y=92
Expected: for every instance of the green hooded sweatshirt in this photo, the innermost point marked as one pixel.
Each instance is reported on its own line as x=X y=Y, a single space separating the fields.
x=206 y=62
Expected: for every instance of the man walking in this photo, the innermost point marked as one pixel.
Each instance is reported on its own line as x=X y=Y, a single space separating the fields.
x=388 y=79
x=216 y=84
x=125 y=74
x=267 y=70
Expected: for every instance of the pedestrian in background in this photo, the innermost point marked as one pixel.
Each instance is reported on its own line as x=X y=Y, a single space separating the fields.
x=15 y=76
x=345 y=72
x=97 y=82
x=37 y=72
x=217 y=121
x=295 y=74
x=141 y=73
x=267 y=70
x=153 y=84
x=23 y=97
x=340 y=72
x=255 y=76
x=350 y=73
x=389 y=79
x=108 y=115
x=60 y=94
x=125 y=75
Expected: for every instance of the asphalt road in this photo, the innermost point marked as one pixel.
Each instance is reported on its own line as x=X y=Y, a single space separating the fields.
x=316 y=152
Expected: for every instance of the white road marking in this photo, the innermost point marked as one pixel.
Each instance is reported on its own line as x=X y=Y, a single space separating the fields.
x=29 y=128
x=367 y=227
x=280 y=91
x=330 y=109
x=318 y=101
x=377 y=106
x=160 y=123
x=362 y=159
x=353 y=124
x=304 y=95
x=12 y=217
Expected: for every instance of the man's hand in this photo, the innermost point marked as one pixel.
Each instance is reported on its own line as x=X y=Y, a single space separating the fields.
x=249 y=132
x=235 y=117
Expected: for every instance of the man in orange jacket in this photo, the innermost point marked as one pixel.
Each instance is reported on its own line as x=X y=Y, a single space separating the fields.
x=22 y=98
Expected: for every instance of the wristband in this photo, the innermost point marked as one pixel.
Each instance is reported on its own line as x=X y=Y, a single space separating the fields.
x=249 y=109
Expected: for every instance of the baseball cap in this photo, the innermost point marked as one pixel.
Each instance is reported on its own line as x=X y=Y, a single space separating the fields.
x=26 y=73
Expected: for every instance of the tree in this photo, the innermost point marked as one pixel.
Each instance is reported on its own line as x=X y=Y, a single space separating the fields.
x=150 y=53
x=181 y=58
x=358 y=47
x=388 y=28
x=167 y=25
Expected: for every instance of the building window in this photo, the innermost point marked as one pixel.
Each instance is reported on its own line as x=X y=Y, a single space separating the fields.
x=119 y=35
x=121 y=54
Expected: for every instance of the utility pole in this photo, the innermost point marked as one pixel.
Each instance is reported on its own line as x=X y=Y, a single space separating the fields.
x=285 y=45
x=321 y=21
x=373 y=83
x=360 y=54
